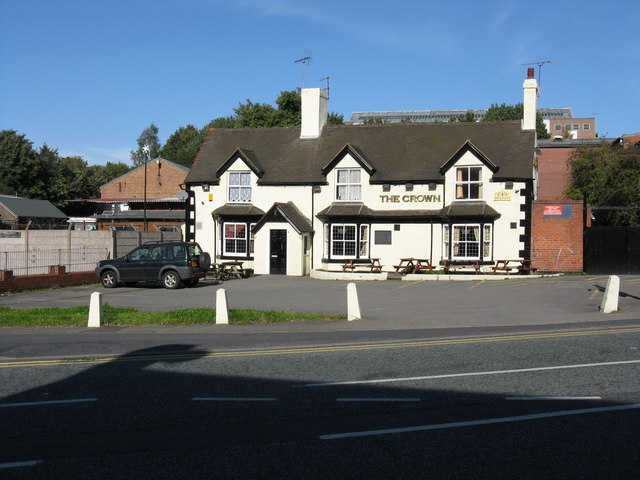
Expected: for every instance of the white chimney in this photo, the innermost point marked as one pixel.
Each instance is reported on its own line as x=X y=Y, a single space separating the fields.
x=530 y=86
x=314 y=112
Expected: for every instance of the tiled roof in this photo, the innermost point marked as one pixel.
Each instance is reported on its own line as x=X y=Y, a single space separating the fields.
x=399 y=153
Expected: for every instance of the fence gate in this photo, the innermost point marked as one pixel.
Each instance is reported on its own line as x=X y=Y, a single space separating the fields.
x=612 y=250
x=126 y=241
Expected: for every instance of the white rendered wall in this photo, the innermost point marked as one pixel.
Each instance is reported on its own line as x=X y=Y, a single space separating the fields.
x=295 y=250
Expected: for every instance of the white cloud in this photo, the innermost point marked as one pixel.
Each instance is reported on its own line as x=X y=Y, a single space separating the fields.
x=503 y=15
x=366 y=28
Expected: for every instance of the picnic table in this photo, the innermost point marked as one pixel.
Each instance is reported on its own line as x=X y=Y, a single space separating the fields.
x=522 y=266
x=373 y=264
x=455 y=265
x=414 y=265
x=228 y=270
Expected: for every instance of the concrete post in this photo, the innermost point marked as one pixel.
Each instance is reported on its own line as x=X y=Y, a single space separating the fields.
x=353 y=306
x=611 y=295
x=222 y=312
x=95 y=310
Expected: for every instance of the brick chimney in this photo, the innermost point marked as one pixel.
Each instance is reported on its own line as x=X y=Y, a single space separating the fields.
x=531 y=94
x=314 y=112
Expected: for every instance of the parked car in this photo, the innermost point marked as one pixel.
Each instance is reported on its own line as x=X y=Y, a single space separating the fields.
x=170 y=263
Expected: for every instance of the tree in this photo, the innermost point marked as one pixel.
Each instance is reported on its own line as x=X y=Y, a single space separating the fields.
x=374 y=121
x=468 y=116
x=334 y=118
x=183 y=145
x=262 y=115
x=607 y=177
x=149 y=136
x=500 y=113
x=24 y=171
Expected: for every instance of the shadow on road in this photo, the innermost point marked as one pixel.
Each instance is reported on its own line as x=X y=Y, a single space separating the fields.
x=173 y=411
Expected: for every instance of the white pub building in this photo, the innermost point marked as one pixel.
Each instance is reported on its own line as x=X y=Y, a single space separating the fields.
x=294 y=200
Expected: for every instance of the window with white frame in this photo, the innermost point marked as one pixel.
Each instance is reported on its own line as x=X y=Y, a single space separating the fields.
x=239 y=187
x=467 y=243
x=349 y=241
x=364 y=241
x=446 y=241
x=235 y=239
x=468 y=183
x=348 y=184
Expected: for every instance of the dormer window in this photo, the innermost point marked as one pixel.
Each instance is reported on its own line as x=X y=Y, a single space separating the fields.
x=348 y=185
x=240 y=187
x=468 y=183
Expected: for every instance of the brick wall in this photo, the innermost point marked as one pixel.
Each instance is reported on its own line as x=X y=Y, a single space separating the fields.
x=57 y=278
x=553 y=172
x=557 y=236
x=161 y=182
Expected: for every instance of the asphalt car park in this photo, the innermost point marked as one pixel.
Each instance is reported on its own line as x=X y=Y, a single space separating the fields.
x=384 y=304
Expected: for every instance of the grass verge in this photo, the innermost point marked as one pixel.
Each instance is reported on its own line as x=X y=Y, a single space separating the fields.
x=78 y=316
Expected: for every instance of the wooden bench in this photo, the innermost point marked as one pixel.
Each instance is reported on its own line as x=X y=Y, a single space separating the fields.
x=526 y=268
x=414 y=265
x=522 y=266
x=450 y=266
x=353 y=264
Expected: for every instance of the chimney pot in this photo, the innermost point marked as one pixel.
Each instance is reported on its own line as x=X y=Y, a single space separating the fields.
x=531 y=72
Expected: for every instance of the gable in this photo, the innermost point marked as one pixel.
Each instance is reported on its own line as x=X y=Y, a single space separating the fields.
x=463 y=152
x=285 y=212
x=247 y=157
x=355 y=154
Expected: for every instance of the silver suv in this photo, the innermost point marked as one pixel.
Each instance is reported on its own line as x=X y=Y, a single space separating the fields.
x=170 y=263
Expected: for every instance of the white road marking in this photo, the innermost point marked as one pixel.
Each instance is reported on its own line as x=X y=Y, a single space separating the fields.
x=469 y=374
x=233 y=399
x=377 y=399
x=473 y=423
x=29 y=463
x=48 y=402
x=553 y=398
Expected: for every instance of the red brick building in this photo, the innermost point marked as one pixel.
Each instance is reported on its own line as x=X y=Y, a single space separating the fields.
x=122 y=205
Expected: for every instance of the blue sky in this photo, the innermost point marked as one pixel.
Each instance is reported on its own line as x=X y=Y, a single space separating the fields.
x=87 y=76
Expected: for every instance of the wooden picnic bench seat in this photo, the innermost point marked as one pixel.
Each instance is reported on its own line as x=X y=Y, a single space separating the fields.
x=522 y=266
x=460 y=265
x=414 y=265
x=353 y=264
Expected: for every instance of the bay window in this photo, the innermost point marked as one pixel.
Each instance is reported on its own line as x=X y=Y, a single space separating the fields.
x=467 y=242
x=349 y=241
x=237 y=239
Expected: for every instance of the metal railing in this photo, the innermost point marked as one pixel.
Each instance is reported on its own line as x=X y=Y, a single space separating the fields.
x=37 y=261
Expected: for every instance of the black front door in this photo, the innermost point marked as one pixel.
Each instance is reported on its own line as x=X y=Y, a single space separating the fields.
x=278 y=260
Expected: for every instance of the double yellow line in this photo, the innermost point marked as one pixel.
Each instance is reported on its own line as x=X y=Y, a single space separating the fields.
x=167 y=357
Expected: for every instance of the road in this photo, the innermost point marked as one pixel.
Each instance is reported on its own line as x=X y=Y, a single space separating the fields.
x=513 y=403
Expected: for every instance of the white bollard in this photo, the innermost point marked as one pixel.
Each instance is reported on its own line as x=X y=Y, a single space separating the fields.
x=222 y=312
x=611 y=294
x=353 y=306
x=95 y=310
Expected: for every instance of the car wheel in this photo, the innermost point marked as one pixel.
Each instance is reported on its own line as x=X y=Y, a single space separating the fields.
x=191 y=283
x=109 y=279
x=204 y=262
x=170 y=280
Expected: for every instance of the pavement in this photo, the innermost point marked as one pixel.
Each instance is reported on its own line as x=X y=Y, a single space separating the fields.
x=385 y=305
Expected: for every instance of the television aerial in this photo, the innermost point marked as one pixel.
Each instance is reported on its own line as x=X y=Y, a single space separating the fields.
x=539 y=64
x=304 y=61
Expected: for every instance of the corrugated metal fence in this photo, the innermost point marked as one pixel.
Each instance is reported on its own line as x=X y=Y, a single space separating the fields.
x=37 y=261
